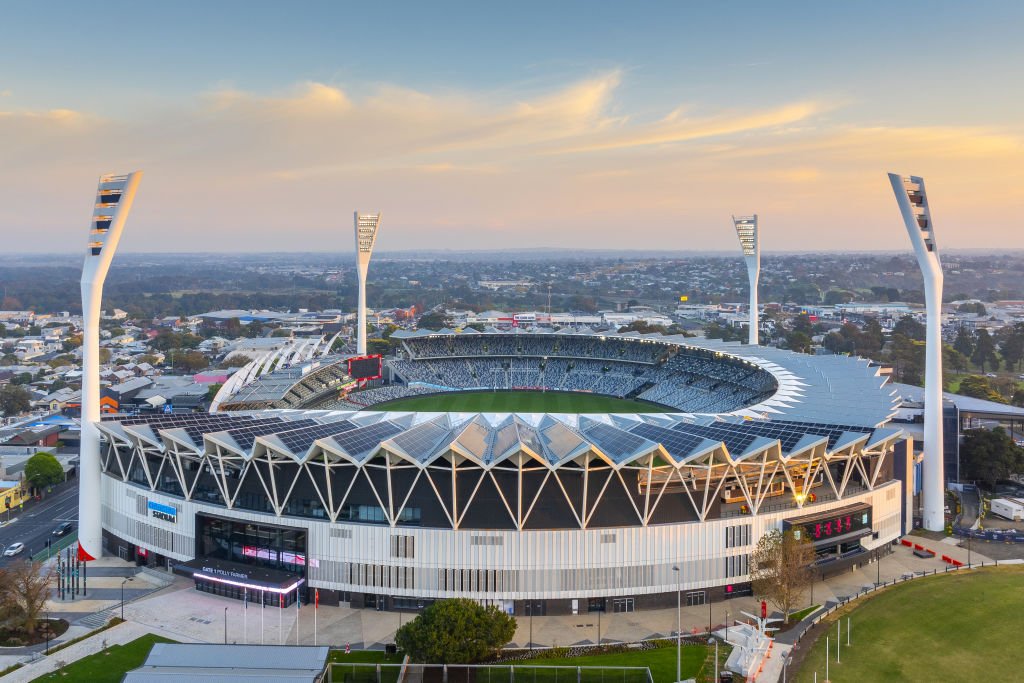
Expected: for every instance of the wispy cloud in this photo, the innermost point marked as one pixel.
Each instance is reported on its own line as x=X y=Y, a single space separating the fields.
x=565 y=166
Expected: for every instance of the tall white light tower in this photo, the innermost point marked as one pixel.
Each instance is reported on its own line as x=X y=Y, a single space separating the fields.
x=913 y=203
x=366 y=235
x=746 y=230
x=114 y=198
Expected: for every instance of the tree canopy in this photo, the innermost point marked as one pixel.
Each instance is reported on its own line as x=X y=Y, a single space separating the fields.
x=989 y=455
x=458 y=631
x=14 y=399
x=43 y=469
x=780 y=568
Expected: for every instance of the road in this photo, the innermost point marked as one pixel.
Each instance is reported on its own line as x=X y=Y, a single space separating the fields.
x=35 y=522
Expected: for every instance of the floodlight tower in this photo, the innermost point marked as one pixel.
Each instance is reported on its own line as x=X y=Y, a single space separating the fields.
x=114 y=198
x=746 y=230
x=366 y=235
x=913 y=203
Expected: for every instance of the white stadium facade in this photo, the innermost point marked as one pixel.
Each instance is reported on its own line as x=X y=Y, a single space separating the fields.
x=300 y=478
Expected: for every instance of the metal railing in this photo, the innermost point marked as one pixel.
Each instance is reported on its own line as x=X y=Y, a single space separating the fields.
x=484 y=673
x=47 y=553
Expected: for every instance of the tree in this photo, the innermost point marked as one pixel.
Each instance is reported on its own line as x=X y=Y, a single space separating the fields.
x=43 y=470
x=909 y=327
x=780 y=568
x=236 y=361
x=989 y=455
x=1012 y=346
x=951 y=358
x=964 y=342
x=977 y=386
x=191 y=361
x=14 y=399
x=798 y=341
x=24 y=590
x=457 y=631
x=433 y=321
x=985 y=351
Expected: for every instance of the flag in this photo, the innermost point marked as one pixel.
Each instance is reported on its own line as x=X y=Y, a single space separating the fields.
x=245 y=598
x=281 y=595
x=316 y=598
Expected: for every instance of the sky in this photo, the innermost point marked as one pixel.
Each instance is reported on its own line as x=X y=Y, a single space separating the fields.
x=263 y=126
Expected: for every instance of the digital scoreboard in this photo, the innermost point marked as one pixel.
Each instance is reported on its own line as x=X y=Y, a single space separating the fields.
x=365 y=367
x=836 y=525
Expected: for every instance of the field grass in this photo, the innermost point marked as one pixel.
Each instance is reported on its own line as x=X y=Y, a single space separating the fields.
x=661 y=661
x=519 y=402
x=961 y=627
x=108 y=666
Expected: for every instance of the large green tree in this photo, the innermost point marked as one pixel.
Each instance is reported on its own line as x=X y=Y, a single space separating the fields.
x=985 y=351
x=780 y=568
x=988 y=455
x=457 y=631
x=14 y=399
x=43 y=470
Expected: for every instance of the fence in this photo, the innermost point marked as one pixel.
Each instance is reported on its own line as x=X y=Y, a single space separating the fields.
x=484 y=673
x=47 y=553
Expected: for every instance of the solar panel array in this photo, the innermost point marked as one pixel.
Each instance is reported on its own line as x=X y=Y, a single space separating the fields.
x=245 y=437
x=361 y=441
x=735 y=438
x=423 y=440
x=678 y=444
x=615 y=442
x=299 y=440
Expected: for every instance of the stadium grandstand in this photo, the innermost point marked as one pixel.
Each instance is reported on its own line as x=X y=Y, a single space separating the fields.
x=302 y=477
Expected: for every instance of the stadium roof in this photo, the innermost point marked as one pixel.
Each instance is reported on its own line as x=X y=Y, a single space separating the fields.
x=811 y=388
x=490 y=438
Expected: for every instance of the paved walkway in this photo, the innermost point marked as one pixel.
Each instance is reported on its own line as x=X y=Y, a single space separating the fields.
x=177 y=611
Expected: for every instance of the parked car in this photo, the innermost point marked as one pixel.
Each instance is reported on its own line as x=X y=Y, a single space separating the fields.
x=13 y=549
x=63 y=529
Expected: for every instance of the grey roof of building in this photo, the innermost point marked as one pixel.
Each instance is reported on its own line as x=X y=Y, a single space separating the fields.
x=966 y=404
x=191 y=662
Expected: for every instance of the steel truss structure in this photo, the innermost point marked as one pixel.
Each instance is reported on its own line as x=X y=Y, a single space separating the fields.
x=499 y=471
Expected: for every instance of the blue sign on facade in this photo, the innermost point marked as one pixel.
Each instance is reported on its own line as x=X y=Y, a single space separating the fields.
x=164 y=512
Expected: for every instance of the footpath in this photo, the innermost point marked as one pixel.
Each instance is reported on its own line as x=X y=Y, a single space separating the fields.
x=175 y=610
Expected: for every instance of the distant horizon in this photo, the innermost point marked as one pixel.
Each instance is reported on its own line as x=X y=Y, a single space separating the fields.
x=555 y=251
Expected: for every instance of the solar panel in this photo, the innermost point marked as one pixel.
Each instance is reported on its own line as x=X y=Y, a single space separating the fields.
x=678 y=445
x=421 y=441
x=299 y=440
x=360 y=441
x=615 y=442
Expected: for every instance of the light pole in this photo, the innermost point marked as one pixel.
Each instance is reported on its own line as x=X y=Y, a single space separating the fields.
x=679 y=623
x=47 y=631
x=130 y=578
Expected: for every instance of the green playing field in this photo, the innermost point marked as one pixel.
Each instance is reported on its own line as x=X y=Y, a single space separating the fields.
x=519 y=402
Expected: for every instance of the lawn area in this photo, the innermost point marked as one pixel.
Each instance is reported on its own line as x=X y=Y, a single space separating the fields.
x=108 y=666
x=958 y=627
x=661 y=661
x=520 y=401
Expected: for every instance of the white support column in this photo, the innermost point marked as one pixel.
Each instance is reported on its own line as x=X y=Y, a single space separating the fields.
x=114 y=198
x=366 y=226
x=746 y=230
x=913 y=203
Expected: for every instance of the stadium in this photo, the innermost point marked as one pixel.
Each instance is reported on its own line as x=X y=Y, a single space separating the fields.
x=548 y=472
x=390 y=483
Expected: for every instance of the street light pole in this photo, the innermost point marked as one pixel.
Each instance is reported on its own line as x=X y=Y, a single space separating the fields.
x=130 y=578
x=679 y=623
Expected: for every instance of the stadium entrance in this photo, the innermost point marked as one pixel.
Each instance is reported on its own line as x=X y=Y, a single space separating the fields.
x=242 y=560
x=836 y=535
